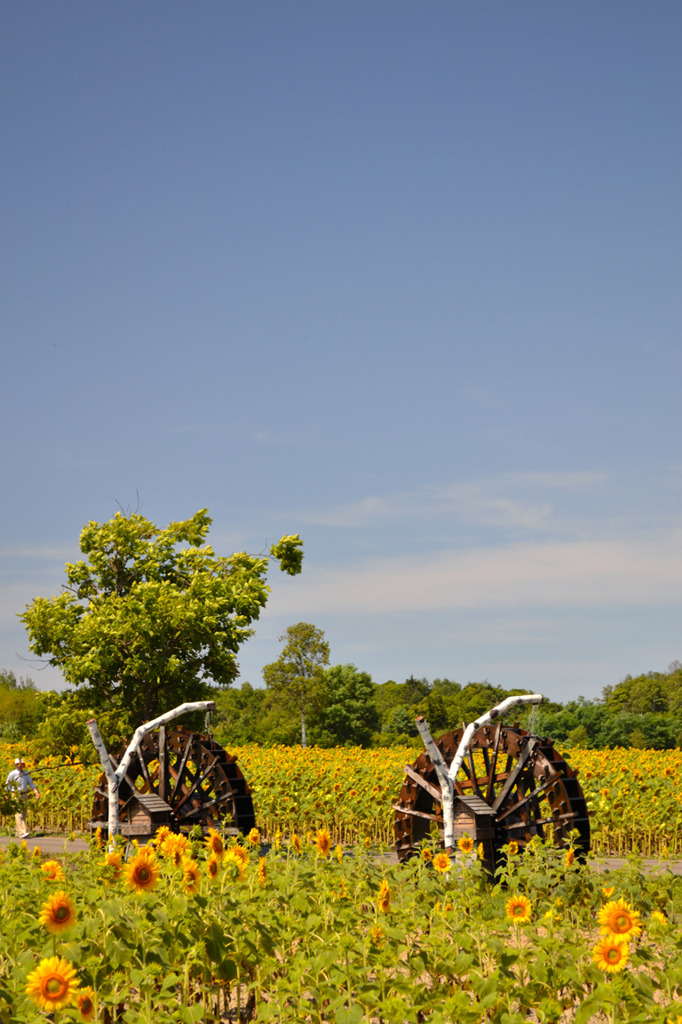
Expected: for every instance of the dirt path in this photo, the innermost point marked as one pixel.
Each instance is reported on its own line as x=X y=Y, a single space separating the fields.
x=49 y=844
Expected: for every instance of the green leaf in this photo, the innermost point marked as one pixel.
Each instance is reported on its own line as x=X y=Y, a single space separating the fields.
x=353 y=1014
x=289 y=553
x=190 y=1014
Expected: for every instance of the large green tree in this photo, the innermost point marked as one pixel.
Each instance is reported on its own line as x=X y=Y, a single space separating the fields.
x=152 y=616
x=297 y=675
x=348 y=715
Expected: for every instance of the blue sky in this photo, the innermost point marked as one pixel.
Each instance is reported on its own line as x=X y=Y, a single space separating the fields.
x=402 y=277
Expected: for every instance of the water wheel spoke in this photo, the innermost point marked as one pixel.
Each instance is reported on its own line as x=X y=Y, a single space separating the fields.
x=197 y=810
x=535 y=794
x=432 y=790
x=417 y=814
x=515 y=773
x=470 y=784
x=467 y=782
x=178 y=777
x=196 y=784
x=472 y=773
x=555 y=818
x=486 y=760
x=145 y=773
x=490 y=790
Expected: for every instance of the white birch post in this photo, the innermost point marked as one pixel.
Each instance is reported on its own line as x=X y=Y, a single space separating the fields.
x=447 y=784
x=112 y=781
x=114 y=777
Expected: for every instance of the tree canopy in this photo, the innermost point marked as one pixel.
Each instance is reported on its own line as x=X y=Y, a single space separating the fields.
x=348 y=714
x=296 y=676
x=151 y=616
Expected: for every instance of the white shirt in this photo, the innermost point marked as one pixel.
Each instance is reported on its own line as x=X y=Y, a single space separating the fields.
x=19 y=779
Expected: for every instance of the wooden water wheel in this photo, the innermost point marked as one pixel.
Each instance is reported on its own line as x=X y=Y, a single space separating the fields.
x=512 y=786
x=180 y=779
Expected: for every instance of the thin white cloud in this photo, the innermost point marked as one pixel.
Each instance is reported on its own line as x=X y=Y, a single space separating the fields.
x=570 y=670
x=41 y=552
x=525 y=500
x=599 y=573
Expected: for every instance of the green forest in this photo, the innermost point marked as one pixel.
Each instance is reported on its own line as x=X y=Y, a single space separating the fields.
x=347 y=708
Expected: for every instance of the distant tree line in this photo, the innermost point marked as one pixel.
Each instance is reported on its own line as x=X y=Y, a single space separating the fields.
x=641 y=711
x=345 y=707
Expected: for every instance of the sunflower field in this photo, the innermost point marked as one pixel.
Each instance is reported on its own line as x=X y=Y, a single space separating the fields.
x=210 y=930
x=634 y=796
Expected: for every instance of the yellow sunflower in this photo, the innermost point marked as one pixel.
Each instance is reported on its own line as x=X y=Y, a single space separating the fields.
x=513 y=848
x=611 y=953
x=58 y=913
x=142 y=872
x=191 y=875
x=240 y=854
x=52 y=870
x=442 y=863
x=295 y=843
x=174 y=848
x=161 y=833
x=52 y=985
x=214 y=843
x=323 y=842
x=427 y=855
x=659 y=918
x=262 y=871
x=213 y=866
x=608 y=891
x=618 y=918
x=233 y=861
x=384 y=896
x=569 y=857
x=37 y=852
x=85 y=1000
x=253 y=837
x=114 y=861
x=376 y=935
x=465 y=844
x=518 y=909
x=338 y=851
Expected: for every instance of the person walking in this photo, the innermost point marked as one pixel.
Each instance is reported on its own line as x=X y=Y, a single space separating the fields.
x=19 y=781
